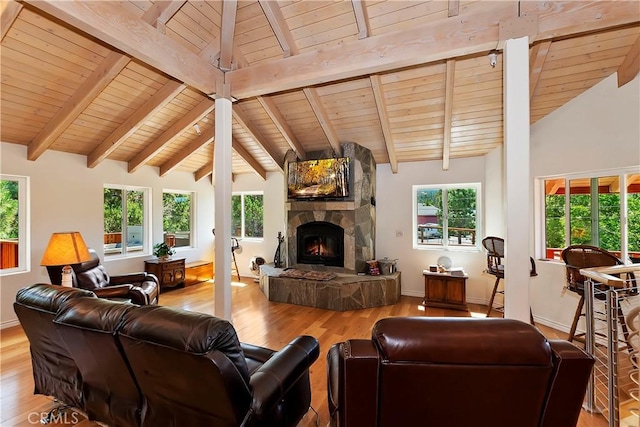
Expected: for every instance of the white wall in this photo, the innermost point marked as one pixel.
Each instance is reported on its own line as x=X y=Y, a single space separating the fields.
x=274 y=218
x=395 y=226
x=596 y=131
x=66 y=195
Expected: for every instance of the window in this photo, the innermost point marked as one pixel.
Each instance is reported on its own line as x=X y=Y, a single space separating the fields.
x=126 y=221
x=177 y=208
x=600 y=210
x=14 y=216
x=446 y=215
x=247 y=215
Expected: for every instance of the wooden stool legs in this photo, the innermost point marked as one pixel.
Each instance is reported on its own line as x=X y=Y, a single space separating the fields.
x=493 y=295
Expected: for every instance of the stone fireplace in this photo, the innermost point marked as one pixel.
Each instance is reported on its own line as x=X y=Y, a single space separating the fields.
x=354 y=216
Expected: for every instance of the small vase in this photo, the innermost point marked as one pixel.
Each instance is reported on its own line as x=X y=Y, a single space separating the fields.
x=164 y=257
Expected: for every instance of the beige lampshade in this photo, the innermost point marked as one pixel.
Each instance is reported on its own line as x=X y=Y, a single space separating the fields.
x=65 y=249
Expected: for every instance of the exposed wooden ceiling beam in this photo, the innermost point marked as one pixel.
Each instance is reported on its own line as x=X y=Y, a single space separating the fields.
x=229 y=8
x=281 y=123
x=443 y=39
x=204 y=171
x=323 y=118
x=169 y=135
x=448 y=112
x=134 y=122
x=279 y=26
x=381 y=105
x=453 y=8
x=537 y=58
x=108 y=69
x=247 y=157
x=171 y=9
x=116 y=26
x=86 y=93
x=362 y=20
x=182 y=155
x=10 y=12
x=630 y=67
x=244 y=121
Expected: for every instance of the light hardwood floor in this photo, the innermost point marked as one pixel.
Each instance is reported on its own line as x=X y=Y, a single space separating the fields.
x=256 y=320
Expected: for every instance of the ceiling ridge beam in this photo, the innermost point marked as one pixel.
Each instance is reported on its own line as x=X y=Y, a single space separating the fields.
x=244 y=121
x=447 y=38
x=323 y=118
x=362 y=20
x=276 y=117
x=116 y=26
x=537 y=58
x=95 y=83
x=175 y=160
x=10 y=11
x=630 y=66
x=154 y=104
x=247 y=157
x=381 y=105
x=448 y=112
x=227 y=30
x=279 y=26
x=169 y=135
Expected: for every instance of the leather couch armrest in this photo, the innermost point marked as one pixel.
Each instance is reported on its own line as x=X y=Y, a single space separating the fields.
x=272 y=380
x=354 y=403
x=572 y=370
x=120 y=291
x=132 y=278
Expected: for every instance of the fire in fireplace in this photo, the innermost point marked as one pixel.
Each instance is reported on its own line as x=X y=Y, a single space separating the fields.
x=320 y=242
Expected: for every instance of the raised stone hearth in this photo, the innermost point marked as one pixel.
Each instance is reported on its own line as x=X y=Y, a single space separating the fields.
x=344 y=292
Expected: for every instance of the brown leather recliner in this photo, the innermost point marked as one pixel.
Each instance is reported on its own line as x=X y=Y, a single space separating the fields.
x=188 y=368
x=88 y=328
x=141 y=288
x=55 y=373
x=456 y=372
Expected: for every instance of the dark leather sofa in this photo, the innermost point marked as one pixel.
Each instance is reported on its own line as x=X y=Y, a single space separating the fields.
x=157 y=366
x=55 y=373
x=456 y=372
x=141 y=288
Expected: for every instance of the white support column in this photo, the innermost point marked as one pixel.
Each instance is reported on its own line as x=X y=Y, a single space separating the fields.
x=222 y=200
x=517 y=180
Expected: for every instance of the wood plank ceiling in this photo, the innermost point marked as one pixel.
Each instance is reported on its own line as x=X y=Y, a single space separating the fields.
x=410 y=80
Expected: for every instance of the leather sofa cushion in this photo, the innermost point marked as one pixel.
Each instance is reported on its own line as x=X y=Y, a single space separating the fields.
x=186 y=331
x=461 y=341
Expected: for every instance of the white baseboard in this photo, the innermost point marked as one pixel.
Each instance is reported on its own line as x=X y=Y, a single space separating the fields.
x=9 y=323
x=408 y=293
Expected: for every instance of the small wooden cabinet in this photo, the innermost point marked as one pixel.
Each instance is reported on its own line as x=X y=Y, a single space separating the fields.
x=445 y=291
x=170 y=273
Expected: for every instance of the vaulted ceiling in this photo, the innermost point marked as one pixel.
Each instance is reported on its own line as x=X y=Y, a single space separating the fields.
x=134 y=81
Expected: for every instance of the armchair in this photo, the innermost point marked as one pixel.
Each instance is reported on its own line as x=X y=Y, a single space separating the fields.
x=141 y=288
x=456 y=372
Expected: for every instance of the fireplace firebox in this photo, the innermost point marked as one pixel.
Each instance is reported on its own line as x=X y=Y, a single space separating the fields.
x=321 y=243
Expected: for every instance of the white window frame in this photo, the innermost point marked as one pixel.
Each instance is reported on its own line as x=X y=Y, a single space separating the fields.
x=24 y=225
x=539 y=215
x=242 y=194
x=192 y=219
x=445 y=243
x=146 y=226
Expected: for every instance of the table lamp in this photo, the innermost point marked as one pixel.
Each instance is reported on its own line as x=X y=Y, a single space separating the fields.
x=65 y=248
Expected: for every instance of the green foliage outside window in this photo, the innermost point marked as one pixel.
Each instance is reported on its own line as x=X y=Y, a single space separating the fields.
x=176 y=212
x=9 y=220
x=247 y=209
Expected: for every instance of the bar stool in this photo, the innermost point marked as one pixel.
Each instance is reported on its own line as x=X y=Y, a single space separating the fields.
x=576 y=257
x=495 y=253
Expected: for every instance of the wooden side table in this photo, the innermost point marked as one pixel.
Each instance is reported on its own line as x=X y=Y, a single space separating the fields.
x=170 y=273
x=445 y=291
